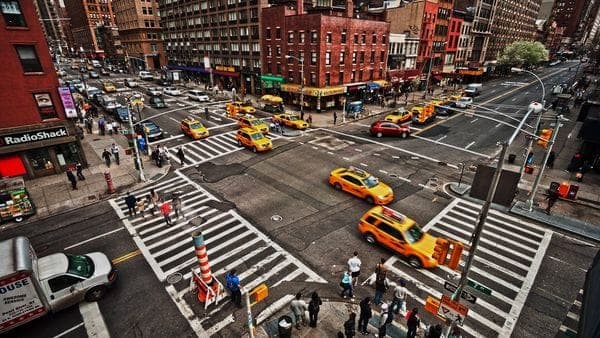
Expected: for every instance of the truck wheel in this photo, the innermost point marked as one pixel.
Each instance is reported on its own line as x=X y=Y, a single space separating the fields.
x=370 y=238
x=95 y=293
x=415 y=262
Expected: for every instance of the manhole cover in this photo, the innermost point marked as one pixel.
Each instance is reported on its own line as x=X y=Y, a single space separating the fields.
x=174 y=278
x=276 y=218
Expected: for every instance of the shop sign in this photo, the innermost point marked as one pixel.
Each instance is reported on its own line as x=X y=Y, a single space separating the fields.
x=67 y=101
x=34 y=136
x=45 y=105
x=332 y=91
x=225 y=69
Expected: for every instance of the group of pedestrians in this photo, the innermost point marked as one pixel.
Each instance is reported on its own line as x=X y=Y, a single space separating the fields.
x=114 y=153
x=71 y=177
x=155 y=203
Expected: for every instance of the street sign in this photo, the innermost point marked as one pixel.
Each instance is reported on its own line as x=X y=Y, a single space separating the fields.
x=452 y=310
x=464 y=294
x=483 y=289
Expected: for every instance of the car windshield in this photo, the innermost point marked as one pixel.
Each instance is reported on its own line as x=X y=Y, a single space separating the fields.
x=196 y=125
x=414 y=234
x=294 y=118
x=257 y=136
x=151 y=127
x=122 y=111
x=80 y=265
x=370 y=181
x=256 y=122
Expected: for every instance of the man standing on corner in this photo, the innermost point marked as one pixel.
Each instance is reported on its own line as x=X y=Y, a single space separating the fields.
x=233 y=284
x=115 y=151
x=354 y=267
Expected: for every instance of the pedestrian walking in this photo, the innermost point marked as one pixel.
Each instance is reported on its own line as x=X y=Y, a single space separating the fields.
x=334 y=118
x=412 y=323
x=346 y=284
x=109 y=128
x=383 y=321
x=131 y=202
x=141 y=206
x=106 y=157
x=399 y=301
x=114 y=149
x=434 y=331
x=154 y=199
x=165 y=209
x=551 y=158
x=552 y=197
x=72 y=178
x=365 y=315
x=88 y=124
x=101 y=126
x=381 y=286
x=354 y=267
x=455 y=333
x=177 y=205
x=309 y=119
x=232 y=281
x=181 y=155
x=350 y=326
x=313 y=309
x=299 y=307
x=206 y=114
x=79 y=168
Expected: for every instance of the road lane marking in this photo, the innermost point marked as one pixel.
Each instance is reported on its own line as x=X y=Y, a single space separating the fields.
x=383 y=171
x=93 y=320
x=453 y=147
x=364 y=164
x=126 y=256
x=498 y=125
x=469 y=145
x=359 y=150
x=473 y=120
x=92 y=239
x=441 y=138
x=68 y=331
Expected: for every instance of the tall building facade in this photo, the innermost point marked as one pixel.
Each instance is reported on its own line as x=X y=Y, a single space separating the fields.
x=140 y=33
x=216 y=41
x=480 y=13
x=90 y=19
x=514 y=20
x=323 y=53
x=36 y=137
x=51 y=19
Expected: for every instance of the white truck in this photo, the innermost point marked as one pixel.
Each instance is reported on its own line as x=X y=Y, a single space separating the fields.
x=473 y=89
x=30 y=286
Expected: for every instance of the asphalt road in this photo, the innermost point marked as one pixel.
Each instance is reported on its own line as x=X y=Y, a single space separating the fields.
x=283 y=224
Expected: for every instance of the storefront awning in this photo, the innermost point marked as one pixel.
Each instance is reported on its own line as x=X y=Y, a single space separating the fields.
x=312 y=91
x=373 y=85
x=471 y=72
x=225 y=73
x=382 y=83
x=189 y=68
x=11 y=166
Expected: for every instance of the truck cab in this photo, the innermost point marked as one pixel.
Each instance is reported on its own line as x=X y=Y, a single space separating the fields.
x=473 y=89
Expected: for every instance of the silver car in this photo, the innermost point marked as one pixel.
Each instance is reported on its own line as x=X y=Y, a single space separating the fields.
x=198 y=95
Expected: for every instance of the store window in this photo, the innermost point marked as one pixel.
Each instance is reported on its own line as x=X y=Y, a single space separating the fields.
x=11 y=11
x=29 y=59
x=39 y=159
x=67 y=154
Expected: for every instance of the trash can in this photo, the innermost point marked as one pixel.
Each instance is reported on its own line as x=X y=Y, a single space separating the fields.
x=284 y=327
x=512 y=158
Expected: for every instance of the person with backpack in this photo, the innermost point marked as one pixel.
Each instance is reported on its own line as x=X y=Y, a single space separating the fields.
x=346 y=284
x=412 y=323
x=350 y=326
x=233 y=285
x=365 y=315
x=313 y=309
x=383 y=321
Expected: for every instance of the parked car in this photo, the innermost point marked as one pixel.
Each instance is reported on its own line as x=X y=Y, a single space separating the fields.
x=157 y=102
x=147 y=76
x=197 y=95
x=150 y=129
x=154 y=91
x=129 y=82
x=122 y=114
x=173 y=91
x=388 y=128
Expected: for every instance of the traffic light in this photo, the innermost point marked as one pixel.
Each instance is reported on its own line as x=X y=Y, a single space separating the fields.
x=454 y=261
x=258 y=293
x=544 y=137
x=440 y=251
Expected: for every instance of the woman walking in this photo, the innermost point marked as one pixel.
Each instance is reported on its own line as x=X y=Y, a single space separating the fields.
x=313 y=309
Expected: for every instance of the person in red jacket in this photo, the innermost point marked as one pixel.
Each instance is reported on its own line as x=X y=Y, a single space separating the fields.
x=165 y=209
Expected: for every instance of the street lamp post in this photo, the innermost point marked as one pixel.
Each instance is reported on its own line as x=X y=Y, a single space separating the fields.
x=539 y=118
x=301 y=83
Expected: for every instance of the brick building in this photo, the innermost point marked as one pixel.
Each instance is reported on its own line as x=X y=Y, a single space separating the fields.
x=140 y=33
x=36 y=138
x=89 y=19
x=340 y=54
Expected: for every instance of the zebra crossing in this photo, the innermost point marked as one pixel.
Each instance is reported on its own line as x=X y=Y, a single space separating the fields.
x=231 y=241
x=209 y=148
x=569 y=327
x=507 y=260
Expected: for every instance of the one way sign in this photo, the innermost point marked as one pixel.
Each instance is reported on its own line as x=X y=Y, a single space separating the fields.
x=464 y=295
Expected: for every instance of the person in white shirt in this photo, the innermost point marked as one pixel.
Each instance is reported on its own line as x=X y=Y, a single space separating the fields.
x=354 y=267
x=399 y=302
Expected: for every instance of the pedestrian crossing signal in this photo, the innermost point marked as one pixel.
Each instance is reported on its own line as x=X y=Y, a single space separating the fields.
x=544 y=137
x=258 y=293
x=440 y=251
x=455 y=255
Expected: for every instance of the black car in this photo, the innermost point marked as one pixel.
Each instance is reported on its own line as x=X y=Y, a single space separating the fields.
x=104 y=72
x=122 y=114
x=153 y=131
x=157 y=102
x=164 y=82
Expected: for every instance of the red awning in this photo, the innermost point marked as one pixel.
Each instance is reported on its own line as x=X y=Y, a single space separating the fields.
x=11 y=166
x=225 y=73
x=437 y=78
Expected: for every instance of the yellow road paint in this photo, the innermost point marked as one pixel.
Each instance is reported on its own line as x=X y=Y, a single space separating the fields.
x=126 y=256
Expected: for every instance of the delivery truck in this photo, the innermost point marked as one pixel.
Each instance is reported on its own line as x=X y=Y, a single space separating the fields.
x=30 y=287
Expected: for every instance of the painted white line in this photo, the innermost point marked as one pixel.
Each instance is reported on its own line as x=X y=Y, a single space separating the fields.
x=186 y=311
x=521 y=297
x=498 y=125
x=449 y=146
x=68 y=331
x=346 y=158
x=222 y=126
x=359 y=150
x=175 y=120
x=507 y=216
x=404 y=179
x=383 y=171
x=473 y=120
x=376 y=154
x=514 y=99
x=329 y=153
x=220 y=325
x=441 y=214
x=92 y=320
x=469 y=145
x=315 y=148
x=441 y=138
x=92 y=239
x=273 y=308
x=415 y=128
x=362 y=124
x=426 y=187
x=364 y=164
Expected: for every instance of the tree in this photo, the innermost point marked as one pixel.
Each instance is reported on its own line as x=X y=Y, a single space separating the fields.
x=523 y=54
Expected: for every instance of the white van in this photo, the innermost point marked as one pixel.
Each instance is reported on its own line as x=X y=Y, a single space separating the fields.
x=144 y=75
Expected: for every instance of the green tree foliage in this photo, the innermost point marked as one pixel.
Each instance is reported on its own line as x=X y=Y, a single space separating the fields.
x=523 y=54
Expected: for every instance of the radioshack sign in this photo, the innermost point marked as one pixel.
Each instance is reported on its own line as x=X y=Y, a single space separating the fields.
x=20 y=138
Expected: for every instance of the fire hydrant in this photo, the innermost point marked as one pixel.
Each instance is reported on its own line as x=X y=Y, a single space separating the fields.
x=109 y=183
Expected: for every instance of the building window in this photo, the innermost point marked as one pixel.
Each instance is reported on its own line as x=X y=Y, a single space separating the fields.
x=382 y=57
x=269 y=68
x=341 y=78
x=327 y=79
x=344 y=36
x=374 y=40
x=313 y=58
x=353 y=58
x=278 y=33
x=11 y=11
x=342 y=57
x=371 y=74
x=278 y=68
x=278 y=51
x=360 y=75
x=290 y=37
x=328 y=38
x=327 y=58
x=290 y=75
x=29 y=59
x=313 y=79
x=355 y=38
x=362 y=57
x=364 y=39
x=313 y=37
x=301 y=37
x=269 y=51
x=290 y=59
x=268 y=33
x=383 y=40
x=372 y=58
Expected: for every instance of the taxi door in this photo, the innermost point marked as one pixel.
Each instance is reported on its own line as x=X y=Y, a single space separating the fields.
x=353 y=185
x=391 y=237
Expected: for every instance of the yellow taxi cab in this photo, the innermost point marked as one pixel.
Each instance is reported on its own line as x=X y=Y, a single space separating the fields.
x=290 y=120
x=253 y=139
x=423 y=114
x=361 y=184
x=455 y=96
x=109 y=87
x=401 y=234
x=399 y=116
x=440 y=100
x=239 y=107
x=253 y=123
x=194 y=128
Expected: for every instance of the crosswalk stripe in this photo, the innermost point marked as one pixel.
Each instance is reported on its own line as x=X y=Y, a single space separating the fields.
x=540 y=231
x=241 y=260
x=188 y=232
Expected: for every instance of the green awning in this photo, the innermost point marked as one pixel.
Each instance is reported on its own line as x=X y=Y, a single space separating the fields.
x=273 y=78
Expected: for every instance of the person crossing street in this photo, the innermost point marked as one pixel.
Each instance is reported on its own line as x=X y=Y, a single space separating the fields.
x=114 y=149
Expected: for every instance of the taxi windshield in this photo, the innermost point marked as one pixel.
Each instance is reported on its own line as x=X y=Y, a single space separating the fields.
x=80 y=265
x=293 y=118
x=196 y=125
x=257 y=136
x=414 y=234
x=370 y=181
x=256 y=122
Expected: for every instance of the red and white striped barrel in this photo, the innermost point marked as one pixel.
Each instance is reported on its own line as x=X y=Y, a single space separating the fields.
x=202 y=256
